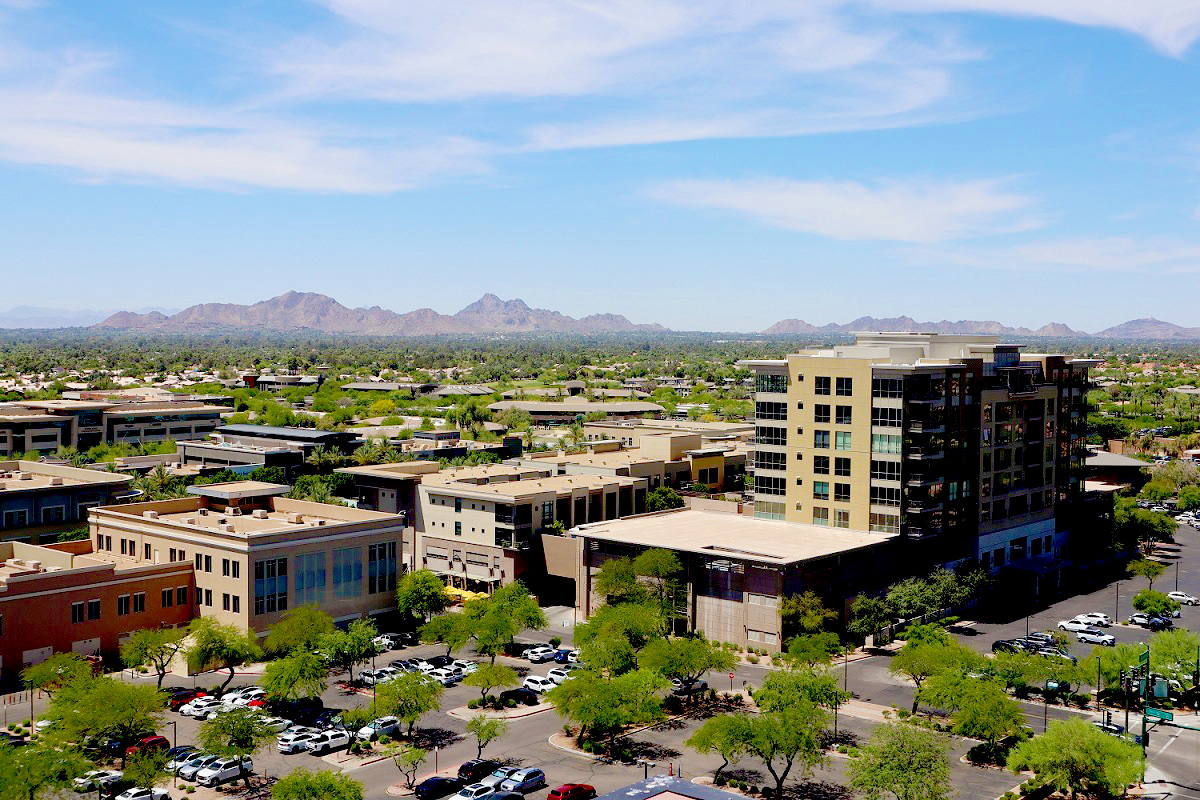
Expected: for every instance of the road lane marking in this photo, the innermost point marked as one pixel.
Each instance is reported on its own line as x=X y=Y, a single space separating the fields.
x=1170 y=741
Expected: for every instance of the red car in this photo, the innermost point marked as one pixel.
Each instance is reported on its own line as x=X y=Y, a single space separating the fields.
x=178 y=699
x=572 y=791
x=146 y=744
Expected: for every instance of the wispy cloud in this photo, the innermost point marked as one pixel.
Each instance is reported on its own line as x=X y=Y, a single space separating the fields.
x=899 y=211
x=1084 y=255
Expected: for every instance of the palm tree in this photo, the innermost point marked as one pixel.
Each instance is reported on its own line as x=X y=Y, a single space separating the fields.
x=325 y=459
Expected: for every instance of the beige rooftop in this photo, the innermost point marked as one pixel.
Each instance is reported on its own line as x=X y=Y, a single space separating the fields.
x=281 y=515
x=23 y=476
x=558 y=484
x=730 y=535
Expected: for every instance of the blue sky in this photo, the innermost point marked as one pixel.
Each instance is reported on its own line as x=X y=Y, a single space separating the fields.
x=703 y=165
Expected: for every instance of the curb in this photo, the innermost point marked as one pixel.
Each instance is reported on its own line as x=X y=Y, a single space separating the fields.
x=462 y=712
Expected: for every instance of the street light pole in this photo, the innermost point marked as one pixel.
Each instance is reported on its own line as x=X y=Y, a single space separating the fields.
x=1117 y=603
x=1177 y=576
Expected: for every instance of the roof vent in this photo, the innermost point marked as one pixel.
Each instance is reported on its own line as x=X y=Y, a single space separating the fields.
x=222 y=521
x=35 y=564
x=202 y=512
x=56 y=481
x=23 y=476
x=233 y=511
x=260 y=513
x=190 y=521
x=150 y=514
x=228 y=528
x=295 y=519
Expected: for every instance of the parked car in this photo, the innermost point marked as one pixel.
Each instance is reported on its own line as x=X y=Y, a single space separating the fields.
x=180 y=754
x=200 y=707
x=245 y=697
x=467 y=667
x=377 y=727
x=329 y=718
x=1096 y=619
x=1073 y=625
x=388 y=641
x=146 y=744
x=1005 y=646
x=444 y=676
x=539 y=653
x=503 y=796
x=226 y=769
x=404 y=664
x=473 y=791
x=371 y=677
x=1055 y=652
x=562 y=656
x=295 y=741
x=523 y=697
x=328 y=740
x=537 y=683
x=1039 y=636
x=96 y=779
x=572 y=791
x=177 y=700
x=1095 y=636
x=140 y=793
x=475 y=769
x=1184 y=598
x=433 y=788
x=1147 y=621
x=188 y=771
x=421 y=665
x=438 y=662
x=559 y=675
x=524 y=780
x=275 y=724
x=499 y=775
x=679 y=687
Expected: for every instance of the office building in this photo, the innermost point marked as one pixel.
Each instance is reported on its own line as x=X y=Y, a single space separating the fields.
x=36 y=496
x=45 y=425
x=574 y=409
x=630 y=431
x=962 y=440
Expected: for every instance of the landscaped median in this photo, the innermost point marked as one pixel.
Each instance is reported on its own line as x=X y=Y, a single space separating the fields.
x=466 y=712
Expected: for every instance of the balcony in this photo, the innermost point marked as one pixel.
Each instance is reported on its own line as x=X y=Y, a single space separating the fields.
x=917 y=479
x=926 y=426
x=924 y=453
x=923 y=505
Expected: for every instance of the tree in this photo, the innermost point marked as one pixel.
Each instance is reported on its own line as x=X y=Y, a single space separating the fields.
x=346 y=649
x=1075 y=756
x=910 y=762
x=154 y=646
x=420 y=593
x=1145 y=568
x=617 y=582
x=300 y=628
x=601 y=705
x=805 y=612
x=409 y=697
x=1189 y=499
x=727 y=735
x=816 y=648
x=661 y=570
x=485 y=729
x=39 y=771
x=788 y=737
x=868 y=615
x=56 y=671
x=325 y=784
x=1113 y=660
x=686 y=658
x=325 y=459
x=1173 y=654
x=1156 y=603
x=982 y=709
x=611 y=639
x=918 y=661
x=99 y=707
x=1157 y=490
x=663 y=499
x=451 y=630
x=911 y=597
x=496 y=620
x=408 y=760
x=215 y=646
x=302 y=674
x=491 y=676
x=146 y=767
x=238 y=733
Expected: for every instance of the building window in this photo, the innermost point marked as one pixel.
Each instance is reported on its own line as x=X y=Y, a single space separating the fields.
x=821 y=413
x=885 y=523
x=841 y=441
x=766 y=459
x=237 y=604
x=457 y=505
x=821 y=517
x=171 y=554
x=199 y=562
x=820 y=490
x=885 y=442
x=841 y=492
x=122 y=605
x=845 y=387
x=52 y=515
x=821 y=385
x=885 y=496
x=381 y=567
x=347 y=571
x=844 y=415
x=225 y=568
x=821 y=465
x=887 y=387
x=208 y=563
x=139 y=602
x=821 y=440
x=76 y=612
x=768 y=485
x=770 y=410
x=93 y=609
x=168 y=598
x=235 y=569
x=310 y=579
x=123 y=545
x=181 y=593
x=225 y=604
x=770 y=435
x=146 y=552
x=208 y=597
x=841 y=467
x=457 y=528
x=270 y=585
x=841 y=519
x=776 y=384
x=885 y=470
x=887 y=417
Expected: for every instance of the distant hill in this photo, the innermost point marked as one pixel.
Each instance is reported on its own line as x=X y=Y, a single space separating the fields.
x=39 y=317
x=295 y=311
x=908 y=324
x=1149 y=328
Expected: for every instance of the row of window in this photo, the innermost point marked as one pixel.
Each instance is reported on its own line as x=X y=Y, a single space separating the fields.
x=841 y=491
x=820 y=516
x=764 y=435
x=887 y=417
x=841 y=440
x=135 y=603
x=841 y=466
x=843 y=414
x=843 y=387
x=345 y=574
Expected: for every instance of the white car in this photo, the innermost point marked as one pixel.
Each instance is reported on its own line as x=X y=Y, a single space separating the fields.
x=467 y=667
x=378 y=727
x=327 y=740
x=422 y=665
x=498 y=776
x=138 y=793
x=371 y=677
x=1073 y=625
x=1094 y=636
x=474 y=791
x=1095 y=619
x=539 y=653
x=445 y=677
x=559 y=675
x=574 y=655
x=189 y=770
x=275 y=724
x=1184 y=598
x=97 y=778
x=226 y=769
x=201 y=707
x=536 y=683
x=244 y=698
x=295 y=741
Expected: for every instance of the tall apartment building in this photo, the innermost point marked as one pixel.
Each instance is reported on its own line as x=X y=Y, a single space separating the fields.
x=957 y=437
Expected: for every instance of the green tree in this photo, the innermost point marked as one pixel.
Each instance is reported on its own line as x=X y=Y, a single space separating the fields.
x=238 y=733
x=663 y=499
x=1156 y=603
x=491 y=676
x=325 y=459
x=1145 y=568
x=660 y=569
x=815 y=648
x=38 y=772
x=146 y=767
x=617 y=582
x=868 y=615
x=727 y=735
x=301 y=674
x=1075 y=756
x=1173 y=654
x=409 y=696
x=788 y=737
x=325 y=784
x=156 y=647
x=911 y=597
x=1113 y=660
x=486 y=730
x=1157 y=490
x=601 y=705
x=451 y=630
x=805 y=612
x=909 y=762
x=611 y=639
x=1189 y=499
x=496 y=620
x=408 y=760
x=92 y=708
x=56 y=671
x=420 y=593
x=346 y=649
x=687 y=659
x=918 y=662
x=300 y=628
x=982 y=709
x=215 y=646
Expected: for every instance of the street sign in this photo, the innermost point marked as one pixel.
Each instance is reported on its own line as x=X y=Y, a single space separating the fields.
x=1144 y=657
x=731 y=676
x=1159 y=714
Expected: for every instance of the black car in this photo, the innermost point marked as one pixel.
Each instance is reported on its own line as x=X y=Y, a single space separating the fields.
x=297 y=710
x=329 y=718
x=1005 y=646
x=440 y=661
x=471 y=771
x=562 y=657
x=407 y=639
x=433 y=788
x=523 y=697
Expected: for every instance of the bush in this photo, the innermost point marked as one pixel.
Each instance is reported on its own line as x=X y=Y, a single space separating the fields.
x=735 y=783
x=510 y=702
x=555 y=641
x=384 y=739
x=589 y=747
x=753 y=659
x=719 y=780
x=474 y=703
x=673 y=704
x=903 y=713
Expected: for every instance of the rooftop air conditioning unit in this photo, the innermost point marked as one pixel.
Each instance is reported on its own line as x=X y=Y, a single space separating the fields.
x=56 y=482
x=150 y=514
x=233 y=511
x=202 y=512
x=34 y=564
x=260 y=513
x=222 y=521
x=24 y=476
x=227 y=528
x=295 y=519
x=190 y=521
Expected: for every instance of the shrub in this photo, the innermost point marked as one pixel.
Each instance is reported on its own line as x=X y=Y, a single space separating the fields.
x=752 y=659
x=752 y=789
x=903 y=713
x=719 y=780
x=673 y=704
x=24 y=723
x=841 y=748
x=568 y=730
x=384 y=739
x=510 y=702
x=735 y=783
x=474 y=703
x=555 y=641
x=776 y=661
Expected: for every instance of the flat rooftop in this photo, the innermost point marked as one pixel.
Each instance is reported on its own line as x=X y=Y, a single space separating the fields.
x=24 y=476
x=719 y=534
x=399 y=471
x=574 y=405
x=278 y=515
x=239 y=489
x=558 y=484
x=682 y=425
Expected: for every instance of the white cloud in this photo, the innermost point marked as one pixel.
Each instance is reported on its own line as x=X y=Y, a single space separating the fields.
x=908 y=211
x=1083 y=255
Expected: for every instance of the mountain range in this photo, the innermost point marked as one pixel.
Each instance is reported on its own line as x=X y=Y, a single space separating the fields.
x=1148 y=328
x=295 y=311
x=40 y=317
